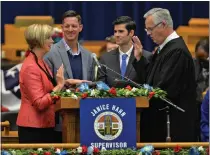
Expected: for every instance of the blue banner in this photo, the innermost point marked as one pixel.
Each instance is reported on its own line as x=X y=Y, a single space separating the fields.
x=108 y=122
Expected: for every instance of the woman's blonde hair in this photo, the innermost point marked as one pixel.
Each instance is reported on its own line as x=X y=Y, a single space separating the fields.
x=36 y=35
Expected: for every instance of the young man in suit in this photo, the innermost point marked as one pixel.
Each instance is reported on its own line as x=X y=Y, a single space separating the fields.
x=172 y=70
x=77 y=61
x=120 y=59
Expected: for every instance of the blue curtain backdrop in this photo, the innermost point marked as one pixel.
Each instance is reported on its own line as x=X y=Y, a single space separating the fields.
x=98 y=16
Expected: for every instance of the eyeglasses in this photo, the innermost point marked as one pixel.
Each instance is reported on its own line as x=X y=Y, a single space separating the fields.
x=149 y=30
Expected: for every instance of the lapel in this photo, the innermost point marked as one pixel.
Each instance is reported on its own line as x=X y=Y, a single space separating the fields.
x=65 y=59
x=116 y=61
x=130 y=66
x=85 y=66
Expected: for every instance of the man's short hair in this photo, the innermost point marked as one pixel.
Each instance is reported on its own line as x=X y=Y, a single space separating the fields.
x=129 y=23
x=72 y=13
x=160 y=15
x=37 y=34
x=110 y=39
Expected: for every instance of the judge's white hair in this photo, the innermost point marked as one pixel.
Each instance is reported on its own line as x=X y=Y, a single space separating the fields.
x=160 y=15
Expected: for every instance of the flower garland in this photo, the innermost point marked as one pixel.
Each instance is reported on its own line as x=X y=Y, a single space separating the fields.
x=84 y=150
x=112 y=92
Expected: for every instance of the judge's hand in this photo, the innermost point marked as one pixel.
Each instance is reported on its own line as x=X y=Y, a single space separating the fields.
x=59 y=79
x=138 y=48
x=75 y=81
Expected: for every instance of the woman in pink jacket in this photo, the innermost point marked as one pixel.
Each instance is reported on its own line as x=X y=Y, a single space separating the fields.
x=36 y=118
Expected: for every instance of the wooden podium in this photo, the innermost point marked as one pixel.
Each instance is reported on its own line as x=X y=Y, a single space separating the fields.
x=69 y=110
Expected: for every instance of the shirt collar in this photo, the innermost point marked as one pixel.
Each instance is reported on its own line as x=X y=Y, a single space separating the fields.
x=172 y=36
x=70 y=50
x=128 y=52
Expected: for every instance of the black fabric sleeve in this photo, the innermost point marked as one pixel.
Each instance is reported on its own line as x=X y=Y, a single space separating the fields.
x=175 y=70
x=141 y=68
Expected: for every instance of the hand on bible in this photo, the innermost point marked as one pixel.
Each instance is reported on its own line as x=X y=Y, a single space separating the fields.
x=75 y=81
x=138 y=48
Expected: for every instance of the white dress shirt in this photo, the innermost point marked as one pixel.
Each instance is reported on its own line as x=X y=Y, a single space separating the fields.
x=128 y=53
x=172 y=36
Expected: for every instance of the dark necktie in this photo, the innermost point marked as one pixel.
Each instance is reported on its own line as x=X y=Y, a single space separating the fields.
x=158 y=50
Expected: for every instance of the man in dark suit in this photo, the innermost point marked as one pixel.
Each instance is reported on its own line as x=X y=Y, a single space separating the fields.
x=120 y=59
x=171 y=69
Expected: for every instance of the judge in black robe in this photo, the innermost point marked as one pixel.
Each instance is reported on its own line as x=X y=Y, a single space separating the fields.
x=173 y=71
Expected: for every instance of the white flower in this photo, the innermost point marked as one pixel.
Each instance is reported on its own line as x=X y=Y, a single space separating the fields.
x=200 y=148
x=68 y=90
x=103 y=148
x=147 y=149
x=74 y=96
x=74 y=151
x=93 y=93
x=127 y=93
x=58 y=151
x=39 y=149
x=133 y=89
x=79 y=149
x=13 y=152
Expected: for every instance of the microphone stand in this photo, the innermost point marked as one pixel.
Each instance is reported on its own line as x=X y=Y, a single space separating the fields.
x=168 y=138
x=129 y=80
x=140 y=86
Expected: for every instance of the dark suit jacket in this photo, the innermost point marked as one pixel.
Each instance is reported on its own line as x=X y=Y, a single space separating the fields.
x=111 y=60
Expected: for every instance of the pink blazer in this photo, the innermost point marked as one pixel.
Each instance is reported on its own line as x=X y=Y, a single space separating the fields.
x=37 y=108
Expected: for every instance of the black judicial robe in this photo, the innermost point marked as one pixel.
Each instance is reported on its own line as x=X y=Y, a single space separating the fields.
x=173 y=71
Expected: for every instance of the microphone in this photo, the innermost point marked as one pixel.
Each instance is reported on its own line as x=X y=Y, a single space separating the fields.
x=99 y=66
x=96 y=60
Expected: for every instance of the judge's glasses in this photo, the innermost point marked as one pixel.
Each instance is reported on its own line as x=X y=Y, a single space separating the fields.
x=149 y=30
